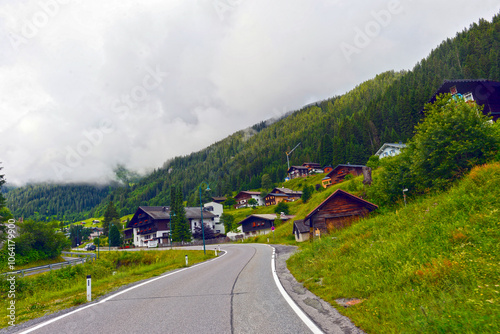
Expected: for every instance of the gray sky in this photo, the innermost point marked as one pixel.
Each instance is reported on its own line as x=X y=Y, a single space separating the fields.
x=88 y=84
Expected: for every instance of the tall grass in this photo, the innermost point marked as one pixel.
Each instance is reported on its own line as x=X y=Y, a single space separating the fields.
x=430 y=267
x=49 y=292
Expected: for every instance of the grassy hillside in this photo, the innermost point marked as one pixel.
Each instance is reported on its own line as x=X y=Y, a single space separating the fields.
x=430 y=267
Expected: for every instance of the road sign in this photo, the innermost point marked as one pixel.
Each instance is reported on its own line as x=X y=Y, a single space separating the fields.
x=272 y=228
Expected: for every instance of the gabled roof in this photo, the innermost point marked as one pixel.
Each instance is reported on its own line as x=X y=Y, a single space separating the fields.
x=340 y=166
x=485 y=93
x=285 y=191
x=297 y=167
x=311 y=164
x=387 y=145
x=340 y=192
x=269 y=217
x=247 y=193
x=156 y=212
x=163 y=213
x=261 y=216
x=300 y=226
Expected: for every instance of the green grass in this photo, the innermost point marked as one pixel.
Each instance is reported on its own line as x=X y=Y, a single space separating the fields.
x=34 y=264
x=430 y=267
x=50 y=292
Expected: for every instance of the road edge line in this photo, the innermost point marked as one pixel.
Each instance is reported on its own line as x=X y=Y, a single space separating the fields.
x=300 y=313
x=48 y=322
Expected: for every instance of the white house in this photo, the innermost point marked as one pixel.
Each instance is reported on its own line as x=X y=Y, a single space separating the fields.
x=390 y=150
x=217 y=210
x=243 y=197
x=152 y=223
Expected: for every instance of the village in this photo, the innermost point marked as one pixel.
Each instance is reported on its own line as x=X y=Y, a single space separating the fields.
x=150 y=226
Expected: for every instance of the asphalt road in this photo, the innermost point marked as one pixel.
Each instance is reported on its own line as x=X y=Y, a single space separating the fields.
x=234 y=293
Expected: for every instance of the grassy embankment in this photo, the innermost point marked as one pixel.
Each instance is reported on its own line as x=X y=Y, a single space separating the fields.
x=49 y=292
x=430 y=267
x=283 y=233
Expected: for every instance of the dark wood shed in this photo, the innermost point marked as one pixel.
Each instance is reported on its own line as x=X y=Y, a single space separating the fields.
x=339 y=210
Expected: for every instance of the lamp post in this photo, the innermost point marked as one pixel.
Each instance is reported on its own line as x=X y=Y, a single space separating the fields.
x=202 y=225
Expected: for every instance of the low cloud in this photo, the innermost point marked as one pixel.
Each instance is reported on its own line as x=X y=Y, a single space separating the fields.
x=87 y=85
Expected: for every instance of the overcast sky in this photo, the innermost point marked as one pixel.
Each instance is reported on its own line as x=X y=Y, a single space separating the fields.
x=89 y=84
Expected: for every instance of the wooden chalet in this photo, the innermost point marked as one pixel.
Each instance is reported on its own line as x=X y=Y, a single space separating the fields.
x=484 y=92
x=244 y=196
x=339 y=210
x=278 y=195
x=301 y=230
x=152 y=223
x=297 y=171
x=338 y=174
x=327 y=169
x=260 y=224
x=218 y=199
x=128 y=236
x=313 y=167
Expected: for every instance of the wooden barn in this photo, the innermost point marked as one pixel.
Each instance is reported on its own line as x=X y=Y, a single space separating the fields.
x=260 y=223
x=339 y=210
x=338 y=174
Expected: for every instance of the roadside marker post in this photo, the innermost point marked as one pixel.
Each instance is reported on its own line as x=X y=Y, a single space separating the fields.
x=186 y=260
x=89 y=288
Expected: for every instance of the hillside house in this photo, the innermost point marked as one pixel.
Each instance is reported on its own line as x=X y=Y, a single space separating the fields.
x=217 y=210
x=313 y=167
x=327 y=169
x=257 y=224
x=484 y=92
x=152 y=223
x=390 y=150
x=339 y=210
x=301 y=230
x=244 y=196
x=281 y=195
x=297 y=171
x=338 y=174
x=218 y=199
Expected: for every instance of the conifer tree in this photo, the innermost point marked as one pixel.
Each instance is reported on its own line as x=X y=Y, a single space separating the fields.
x=109 y=216
x=182 y=221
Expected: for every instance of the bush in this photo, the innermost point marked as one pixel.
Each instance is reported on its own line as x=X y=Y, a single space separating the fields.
x=454 y=137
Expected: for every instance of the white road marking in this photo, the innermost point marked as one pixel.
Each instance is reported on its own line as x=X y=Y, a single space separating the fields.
x=309 y=323
x=43 y=324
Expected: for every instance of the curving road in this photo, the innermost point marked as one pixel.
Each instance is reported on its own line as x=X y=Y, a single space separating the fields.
x=234 y=293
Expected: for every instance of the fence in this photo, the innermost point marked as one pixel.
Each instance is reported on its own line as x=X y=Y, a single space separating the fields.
x=85 y=257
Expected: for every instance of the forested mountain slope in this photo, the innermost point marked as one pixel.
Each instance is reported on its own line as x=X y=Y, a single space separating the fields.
x=347 y=128
x=49 y=201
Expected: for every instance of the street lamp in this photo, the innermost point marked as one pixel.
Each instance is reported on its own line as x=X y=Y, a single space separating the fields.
x=202 y=225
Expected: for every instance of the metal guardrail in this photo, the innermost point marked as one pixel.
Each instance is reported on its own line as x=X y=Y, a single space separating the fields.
x=92 y=257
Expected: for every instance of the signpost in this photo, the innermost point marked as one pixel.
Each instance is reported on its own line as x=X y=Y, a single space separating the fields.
x=89 y=288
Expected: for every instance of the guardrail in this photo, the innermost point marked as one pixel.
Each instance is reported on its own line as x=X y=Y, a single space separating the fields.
x=58 y=265
x=91 y=255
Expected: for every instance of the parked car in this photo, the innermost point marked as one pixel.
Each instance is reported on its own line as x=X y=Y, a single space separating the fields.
x=90 y=247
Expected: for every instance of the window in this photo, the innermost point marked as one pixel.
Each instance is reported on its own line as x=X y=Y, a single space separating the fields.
x=469 y=97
